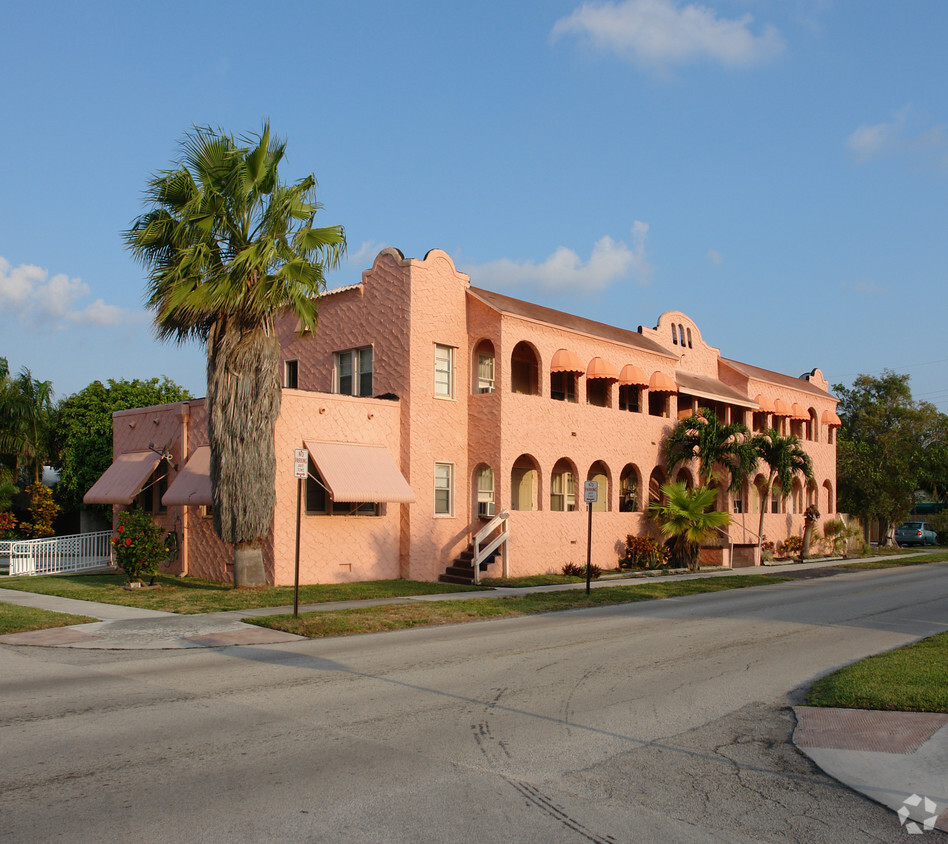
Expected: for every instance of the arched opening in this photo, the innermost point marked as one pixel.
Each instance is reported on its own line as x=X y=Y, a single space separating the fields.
x=629 y=489
x=674 y=335
x=685 y=477
x=681 y=335
x=524 y=370
x=830 y=498
x=739 y=499
x=599 y=473
x=563 y=486
x=812 y=494
x=689 y=338
x=796 y=497
x=655 y=482
x=813 y=426
x=484 y=370
x=759 y=503
x=484 y=491
x=525 y=484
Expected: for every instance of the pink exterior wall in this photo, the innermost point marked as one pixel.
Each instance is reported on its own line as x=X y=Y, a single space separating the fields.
x=402 y=309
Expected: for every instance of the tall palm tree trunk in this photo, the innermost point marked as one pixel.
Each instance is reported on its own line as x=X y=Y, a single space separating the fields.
x=243 y=400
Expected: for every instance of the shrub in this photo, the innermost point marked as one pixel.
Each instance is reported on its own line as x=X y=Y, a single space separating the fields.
x=644 y=552
x=837 y=533
x=792 y=546
x=43 y=511
x=579 y=570
x=8 y=525
x=139 y=546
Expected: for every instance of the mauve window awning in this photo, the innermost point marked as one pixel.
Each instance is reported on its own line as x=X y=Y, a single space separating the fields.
x=359 y=473
x=124 y=479
x=193 y=484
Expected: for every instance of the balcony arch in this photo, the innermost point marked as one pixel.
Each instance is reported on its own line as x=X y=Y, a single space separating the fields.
x=630 y=481
x=563 y=486
x=525 y=483
x=599 y=472
x=525 y=369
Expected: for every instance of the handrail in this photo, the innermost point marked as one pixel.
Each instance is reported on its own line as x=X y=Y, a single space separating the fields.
x=56 y=554
x=481 y=554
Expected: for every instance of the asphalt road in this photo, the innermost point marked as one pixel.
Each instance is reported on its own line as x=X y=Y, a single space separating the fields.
x=663 y=721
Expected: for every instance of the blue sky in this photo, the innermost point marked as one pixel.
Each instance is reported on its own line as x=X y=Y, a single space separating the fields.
x=776 y=169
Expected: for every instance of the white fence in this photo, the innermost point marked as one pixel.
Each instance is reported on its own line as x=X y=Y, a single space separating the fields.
x=57 y=554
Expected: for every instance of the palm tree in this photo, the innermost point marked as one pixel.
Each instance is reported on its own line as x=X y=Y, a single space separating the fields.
x=26 y=413
x=785 y=458
x=227 y=247
x=686 y=520
x=718 y=448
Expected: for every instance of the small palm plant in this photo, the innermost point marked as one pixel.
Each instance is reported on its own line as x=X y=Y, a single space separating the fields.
x=686 y=519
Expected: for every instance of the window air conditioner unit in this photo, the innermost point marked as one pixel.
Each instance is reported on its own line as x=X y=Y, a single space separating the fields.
x=485 y=509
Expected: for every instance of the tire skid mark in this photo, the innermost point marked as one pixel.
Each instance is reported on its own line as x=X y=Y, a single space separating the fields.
x=536 y=798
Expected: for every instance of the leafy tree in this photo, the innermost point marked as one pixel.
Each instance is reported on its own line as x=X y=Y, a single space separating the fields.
x=228 y=247
x=686 y=519
x=785 y=458
x=721 y=449
x=84 y=429
x=888 y=447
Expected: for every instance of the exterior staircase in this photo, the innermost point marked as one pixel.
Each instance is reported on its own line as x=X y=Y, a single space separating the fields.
x=462 y=569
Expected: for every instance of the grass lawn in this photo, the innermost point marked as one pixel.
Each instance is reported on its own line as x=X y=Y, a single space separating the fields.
x=531 y=580
x=909 y=679
x=916 y=560
x=16 y=619
x=192 y=595
x=417 y=614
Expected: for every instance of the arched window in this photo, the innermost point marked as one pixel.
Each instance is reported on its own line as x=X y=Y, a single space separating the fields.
x=776 y=495
x=524 y=370
x=524 y=484
x=483 y=359
x=629 y=489
x=674 y=335
x=739 y=500
x=563 y=486
x=689 y=338
x=484 y=491
x=681 y=335
x=599 y=473
x=812 y=494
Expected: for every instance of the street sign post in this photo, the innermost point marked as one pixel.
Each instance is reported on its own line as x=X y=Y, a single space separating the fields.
x=300 y=470
x=590 y=496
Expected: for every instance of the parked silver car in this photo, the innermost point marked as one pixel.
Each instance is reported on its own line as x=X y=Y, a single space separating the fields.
x=915 y=533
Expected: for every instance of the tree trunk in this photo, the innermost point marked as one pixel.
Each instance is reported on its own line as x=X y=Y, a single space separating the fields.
x=248 y=565
x=807 y=536
x=243 y=402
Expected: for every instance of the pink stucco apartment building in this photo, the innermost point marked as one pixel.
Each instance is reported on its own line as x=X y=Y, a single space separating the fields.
x=433 y=410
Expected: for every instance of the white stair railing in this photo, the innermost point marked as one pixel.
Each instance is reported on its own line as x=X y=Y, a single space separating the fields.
x=59 y=554
x=499 y=541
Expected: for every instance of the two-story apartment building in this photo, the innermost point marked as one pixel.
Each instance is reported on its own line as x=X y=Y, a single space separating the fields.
x=428 y=406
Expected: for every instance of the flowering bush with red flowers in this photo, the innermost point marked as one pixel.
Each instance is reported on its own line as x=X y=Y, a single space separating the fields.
x=139 y=546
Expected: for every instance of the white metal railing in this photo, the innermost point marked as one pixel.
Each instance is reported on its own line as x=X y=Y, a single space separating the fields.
x=58 y=554
x=499 y=541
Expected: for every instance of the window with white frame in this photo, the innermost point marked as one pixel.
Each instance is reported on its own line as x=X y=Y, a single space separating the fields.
x=485 y=373
x=354 y=372
x=290 y=374
x=444 y=489
x=444 y=371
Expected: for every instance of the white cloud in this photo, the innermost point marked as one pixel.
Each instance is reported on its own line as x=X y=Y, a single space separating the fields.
x=899 y=138
x=28 y=293
x=715 y=257
x=564 y=270
x=661 y=33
